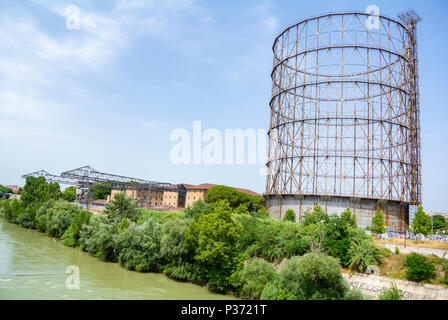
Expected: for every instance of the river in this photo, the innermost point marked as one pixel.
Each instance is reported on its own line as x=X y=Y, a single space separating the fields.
x=33 y=266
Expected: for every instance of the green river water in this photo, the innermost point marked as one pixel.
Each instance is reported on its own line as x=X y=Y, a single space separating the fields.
x=33 y=266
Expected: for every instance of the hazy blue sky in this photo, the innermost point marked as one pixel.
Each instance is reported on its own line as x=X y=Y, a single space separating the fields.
x=109 y=94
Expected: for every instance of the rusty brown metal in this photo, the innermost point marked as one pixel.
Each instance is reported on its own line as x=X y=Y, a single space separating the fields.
x=345 y=116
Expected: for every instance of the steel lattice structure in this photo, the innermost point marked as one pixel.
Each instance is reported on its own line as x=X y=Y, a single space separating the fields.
x=345 y=118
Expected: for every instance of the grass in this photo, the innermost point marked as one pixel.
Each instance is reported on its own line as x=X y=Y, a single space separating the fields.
x=416 y=243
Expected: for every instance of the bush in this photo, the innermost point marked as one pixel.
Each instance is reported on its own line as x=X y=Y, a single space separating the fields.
x=392 y=294
x=421 y=223
x=419 y=268
x=290 y=215
x=377 y=226
x=253 y=278
x=177 y=259
x=71 y=237
x=69 y=194
x=139 y=247
x=99 y=238
x=198 y=208
x=123 y=207
x=313 y=277
x=58 y=218
x=234 y=197
x=363 y=254
x=316 y=216
x=214 y=239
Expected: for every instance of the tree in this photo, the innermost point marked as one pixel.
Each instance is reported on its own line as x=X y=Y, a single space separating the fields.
x=421 y=223
x=69 y=194
x=316 y=216
x=234 y=197
x=71 y=237
x=214 y=239
x=377 y=226
x=439 y=222
x=37 y=190
x=363 y=254
x=290 y=215
x=100 y=191
x=139 y=247
x=5 y=190
x=253 y=278
x=313 y=277
x=199 y=207
x=122 y=207
x=348 y=218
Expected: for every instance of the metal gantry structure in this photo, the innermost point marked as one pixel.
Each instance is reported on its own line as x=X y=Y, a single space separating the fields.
x=345 y=115
x=85 y=179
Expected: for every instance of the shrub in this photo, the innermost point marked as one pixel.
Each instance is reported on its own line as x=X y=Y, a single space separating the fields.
x=377 y=226
x=198 y=208
x=214 y=239
x=270 y=291
x=41 y=215
x=419 y=268
x=313 y=277
x=363 y=254
x=316 y=216
x=69 y=194
x=71 y=237
x=123 y=207
x=99 y=238
x=177 y=259
x=58 y=218
x=139 y=247
x=253 y=278
x=421 y=223
x=290 y=215
x=392 y=294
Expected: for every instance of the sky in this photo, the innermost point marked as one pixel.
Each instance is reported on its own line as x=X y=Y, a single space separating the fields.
x=110 y=93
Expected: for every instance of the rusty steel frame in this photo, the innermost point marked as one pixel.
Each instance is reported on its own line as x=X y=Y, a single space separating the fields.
x=345 y=116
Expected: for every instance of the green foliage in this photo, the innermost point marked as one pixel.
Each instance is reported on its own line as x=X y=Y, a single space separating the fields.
x=198 y=208
x=349 y=219
x=313 y=277
x=5 y=190
x=253 y=278
x=439 y=222
x=12 y=210
x=419 y=268
x=139 y=247
x=36 y=190
x=71 y=237
x=421 y=223
x=99 y=238
x=242 y=209
x=270 y=291
x=392 y=294
x=57 y=218
x=100 y=191
x=122 y=207
x=290 y=215
x=159 y=216
x=214 y=239
x=69 y=194
x=316 y=216
x=363 y=254
x=177 y=258
x=377 y=226
x=234 y=197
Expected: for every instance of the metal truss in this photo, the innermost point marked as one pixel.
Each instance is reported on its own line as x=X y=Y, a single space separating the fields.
x=51 y=177
x=345 y=109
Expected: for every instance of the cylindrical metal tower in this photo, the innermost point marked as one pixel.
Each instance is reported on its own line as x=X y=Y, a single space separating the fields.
x=345 y=123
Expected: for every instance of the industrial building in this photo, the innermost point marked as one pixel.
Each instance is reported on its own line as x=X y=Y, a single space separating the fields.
x=149 y=194
x=345 y=118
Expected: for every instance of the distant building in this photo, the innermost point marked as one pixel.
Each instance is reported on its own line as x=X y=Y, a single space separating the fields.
x=175 y=197
x=14 y=189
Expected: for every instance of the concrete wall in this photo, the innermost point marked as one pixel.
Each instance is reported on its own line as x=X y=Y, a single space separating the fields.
x=373 y=286
x=395 y=213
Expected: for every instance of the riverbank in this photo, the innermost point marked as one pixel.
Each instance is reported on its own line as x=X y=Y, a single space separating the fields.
x=33 y=266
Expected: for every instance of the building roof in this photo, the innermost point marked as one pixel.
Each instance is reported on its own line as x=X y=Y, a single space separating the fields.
x=206 y=186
